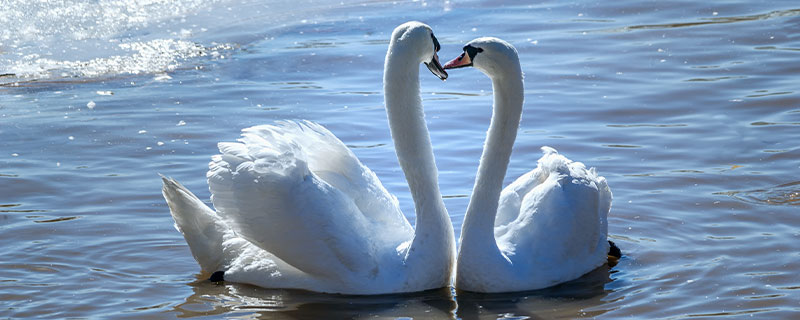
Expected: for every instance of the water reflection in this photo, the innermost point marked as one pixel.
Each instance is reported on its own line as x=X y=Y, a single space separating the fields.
x=706 y=21
x=785 y=194
x=295 y=304
x=586 y=294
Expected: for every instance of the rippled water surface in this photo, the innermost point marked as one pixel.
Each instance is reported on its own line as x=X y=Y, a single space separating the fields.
x=691 y=110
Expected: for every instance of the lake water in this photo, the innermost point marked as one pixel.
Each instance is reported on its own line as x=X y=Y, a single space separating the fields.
x=690 y=109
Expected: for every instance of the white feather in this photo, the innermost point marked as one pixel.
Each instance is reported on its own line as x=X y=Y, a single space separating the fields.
x=547 y=227
x=296 y=209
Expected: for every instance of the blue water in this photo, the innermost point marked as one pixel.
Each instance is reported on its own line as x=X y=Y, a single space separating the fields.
x=691 y=111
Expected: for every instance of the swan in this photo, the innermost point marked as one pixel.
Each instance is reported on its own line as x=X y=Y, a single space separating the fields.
x=547 y=227
x=296 y=209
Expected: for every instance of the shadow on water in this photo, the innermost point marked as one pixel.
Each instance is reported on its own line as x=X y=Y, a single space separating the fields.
x=560 y=301
x=230 y=299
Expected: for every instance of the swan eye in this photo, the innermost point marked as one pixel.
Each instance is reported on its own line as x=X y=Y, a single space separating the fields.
x=436 y=46
x=472 y=51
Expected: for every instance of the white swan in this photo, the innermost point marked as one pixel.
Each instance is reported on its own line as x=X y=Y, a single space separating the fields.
x=297 y=209
x=547 y=227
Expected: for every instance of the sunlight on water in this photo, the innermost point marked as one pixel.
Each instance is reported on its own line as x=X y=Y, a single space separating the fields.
x=161 y=55
x=79 y=39
x=34 y=22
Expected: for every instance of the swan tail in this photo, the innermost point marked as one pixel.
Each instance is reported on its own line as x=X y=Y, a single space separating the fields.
x=200 y=226
x=614 y=254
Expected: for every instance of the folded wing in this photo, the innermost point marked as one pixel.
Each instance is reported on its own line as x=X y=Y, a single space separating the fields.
x=298 y=192
x=556 y=215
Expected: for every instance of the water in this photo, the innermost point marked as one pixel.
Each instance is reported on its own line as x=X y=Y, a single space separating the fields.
x=689 y=109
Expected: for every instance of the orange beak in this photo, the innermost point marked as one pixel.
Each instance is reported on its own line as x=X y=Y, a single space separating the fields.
x=462 y=61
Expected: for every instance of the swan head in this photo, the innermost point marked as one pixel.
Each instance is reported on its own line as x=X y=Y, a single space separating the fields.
x=416 y=39
x=492 y=56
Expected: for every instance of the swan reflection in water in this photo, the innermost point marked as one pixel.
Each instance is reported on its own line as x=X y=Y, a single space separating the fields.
x=587 y=293
x=217 y=299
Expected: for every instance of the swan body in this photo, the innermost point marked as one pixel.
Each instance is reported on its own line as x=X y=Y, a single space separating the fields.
x=296 y=209
x=547 y=227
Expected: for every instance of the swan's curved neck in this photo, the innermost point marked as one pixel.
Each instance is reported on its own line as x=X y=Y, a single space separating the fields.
x=506 y=113
x=414 y=151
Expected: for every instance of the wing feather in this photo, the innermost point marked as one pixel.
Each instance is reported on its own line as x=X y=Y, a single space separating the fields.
x=295 y=190
x=560 y=204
